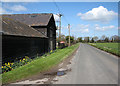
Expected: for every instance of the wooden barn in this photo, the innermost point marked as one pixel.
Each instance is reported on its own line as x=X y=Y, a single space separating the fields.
x=27 y=35
x=43 y=23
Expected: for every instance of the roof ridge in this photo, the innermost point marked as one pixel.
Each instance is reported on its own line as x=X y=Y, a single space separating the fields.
x=24 y=25
x=28 y=14
x=38 y=19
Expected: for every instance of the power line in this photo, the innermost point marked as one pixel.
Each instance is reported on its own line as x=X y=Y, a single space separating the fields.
x=57 y=7
x=65 y=19
x=60 y=12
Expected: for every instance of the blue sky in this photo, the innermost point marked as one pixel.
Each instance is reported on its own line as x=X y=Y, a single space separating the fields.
x=86 y=18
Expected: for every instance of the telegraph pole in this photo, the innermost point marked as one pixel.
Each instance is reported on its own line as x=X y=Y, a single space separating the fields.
x=60 y=26
x=69 y=33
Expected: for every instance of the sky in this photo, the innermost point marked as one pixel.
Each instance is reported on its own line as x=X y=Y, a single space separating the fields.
x=85 y=18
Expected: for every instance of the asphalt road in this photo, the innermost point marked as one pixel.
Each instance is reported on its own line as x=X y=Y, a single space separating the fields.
x=91 y=66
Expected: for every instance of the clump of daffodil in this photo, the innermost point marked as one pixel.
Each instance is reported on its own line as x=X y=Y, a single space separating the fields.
x=26 y=57
x=23 y=59
x=8 y=63
x=51 y=51
x=10 y=66
x=12 y=63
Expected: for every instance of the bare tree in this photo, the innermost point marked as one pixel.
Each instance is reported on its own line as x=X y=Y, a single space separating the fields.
x=95 y=38
x=92 y=40
x=79 y=39
x=86 y=39
x=103 y=37
x=106 y=39
x=63 y=37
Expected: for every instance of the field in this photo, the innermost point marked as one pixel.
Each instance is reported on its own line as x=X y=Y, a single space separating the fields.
x=109 y=47
x=38 y=65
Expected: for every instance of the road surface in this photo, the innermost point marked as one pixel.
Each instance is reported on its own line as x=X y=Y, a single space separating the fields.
x=91 y=66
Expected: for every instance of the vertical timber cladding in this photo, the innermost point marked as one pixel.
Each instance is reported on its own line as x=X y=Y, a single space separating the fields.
x=52 y=33
x=19 y=40
x=19 y=46
x=43 y=30
x=39 y=22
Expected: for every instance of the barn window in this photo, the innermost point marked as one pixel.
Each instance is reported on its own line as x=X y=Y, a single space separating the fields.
x=33 y=15
x=51 y=33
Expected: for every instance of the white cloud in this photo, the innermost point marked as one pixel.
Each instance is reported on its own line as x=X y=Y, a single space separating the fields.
x=84 y=30
x=118 y=28
x=18 y=8
x=81 y=28
x=104 y=28
x=99 y=14
x=20 y=0
x=3 y=11
x=59 y=0
x=56 y=17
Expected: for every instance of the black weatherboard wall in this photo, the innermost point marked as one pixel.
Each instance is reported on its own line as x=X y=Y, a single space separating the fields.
x=19 y=40
x=49 y=30
x=18 y=46
x=43 y=23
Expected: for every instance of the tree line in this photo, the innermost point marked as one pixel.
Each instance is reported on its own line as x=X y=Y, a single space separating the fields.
x=102 y=39
x=94 y=39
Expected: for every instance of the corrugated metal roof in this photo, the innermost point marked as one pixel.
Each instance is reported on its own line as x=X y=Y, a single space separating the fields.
x=32 y=19
x=13 y=27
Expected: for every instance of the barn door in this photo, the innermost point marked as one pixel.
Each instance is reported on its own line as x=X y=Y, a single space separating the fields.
x=51 y=45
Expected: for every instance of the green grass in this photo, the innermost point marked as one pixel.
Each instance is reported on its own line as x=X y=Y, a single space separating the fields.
x=109 y=47
x=38 y=65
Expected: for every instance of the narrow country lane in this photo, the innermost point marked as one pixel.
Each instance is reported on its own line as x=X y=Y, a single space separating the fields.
x=91 y=66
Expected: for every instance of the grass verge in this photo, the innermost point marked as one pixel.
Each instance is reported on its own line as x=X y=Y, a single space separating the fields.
x=108 y=47
x=38 y=65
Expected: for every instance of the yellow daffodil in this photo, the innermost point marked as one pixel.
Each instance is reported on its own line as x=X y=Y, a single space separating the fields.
x=26 y=57
x=23 y=59
x=51 y=51
x=8 y=63
x=12 y=63
x=2 y=67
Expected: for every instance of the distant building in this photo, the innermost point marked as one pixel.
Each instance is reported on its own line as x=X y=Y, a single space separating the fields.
x=27 y=35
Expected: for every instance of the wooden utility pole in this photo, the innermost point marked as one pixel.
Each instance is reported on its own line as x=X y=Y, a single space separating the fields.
x=69 y=33
x=60 y=26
